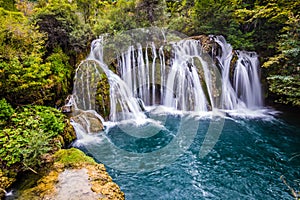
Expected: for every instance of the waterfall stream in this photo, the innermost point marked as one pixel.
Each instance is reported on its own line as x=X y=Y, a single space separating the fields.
x=179 y=75
x=182 y=120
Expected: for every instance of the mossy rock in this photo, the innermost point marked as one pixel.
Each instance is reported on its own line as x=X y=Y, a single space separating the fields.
x=89 y=120
x=73 y=162
x=69 y=134
x=5 y=182
x=72 y=157
x=103 y=97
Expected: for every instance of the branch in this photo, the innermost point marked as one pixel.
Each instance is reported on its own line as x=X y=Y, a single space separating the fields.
x=30 y=168
x=297 y=196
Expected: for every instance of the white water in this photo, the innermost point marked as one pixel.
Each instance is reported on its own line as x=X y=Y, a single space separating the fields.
x=246 y=79
x=185 y=80
x=122 y=104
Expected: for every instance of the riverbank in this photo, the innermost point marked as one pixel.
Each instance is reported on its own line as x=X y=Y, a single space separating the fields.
x=71 y=175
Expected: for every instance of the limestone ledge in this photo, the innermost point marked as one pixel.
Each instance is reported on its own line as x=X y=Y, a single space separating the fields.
x=73 y=175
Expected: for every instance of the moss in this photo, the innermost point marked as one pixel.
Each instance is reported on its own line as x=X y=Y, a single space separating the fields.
x=72 y=157
x=69 y=134
x=103 y=97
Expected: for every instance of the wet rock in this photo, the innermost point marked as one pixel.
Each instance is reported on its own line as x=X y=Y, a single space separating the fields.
x=69 y=134
x=73 y=183
x=206 y=42
x=66 y=109
x=90 y=122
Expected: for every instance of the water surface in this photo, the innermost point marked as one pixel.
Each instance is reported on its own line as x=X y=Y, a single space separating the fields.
x=246 y=162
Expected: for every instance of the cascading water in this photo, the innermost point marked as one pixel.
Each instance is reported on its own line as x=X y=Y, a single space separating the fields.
x=163 y=153
x=247 y=89
x=246 y=79
x=229 y=98
x=184 y=90
x=179 y=86
x=122 y=104
x=184 y=79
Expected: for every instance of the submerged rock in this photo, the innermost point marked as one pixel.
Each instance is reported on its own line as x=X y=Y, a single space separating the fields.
x=74 y=175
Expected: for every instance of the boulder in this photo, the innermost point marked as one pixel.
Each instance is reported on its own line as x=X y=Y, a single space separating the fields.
x=89 y=120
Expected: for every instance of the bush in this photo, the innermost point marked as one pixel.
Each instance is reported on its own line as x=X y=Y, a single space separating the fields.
x=5 y=112
x=33 y=132
x=27 y=75
x=285 y=89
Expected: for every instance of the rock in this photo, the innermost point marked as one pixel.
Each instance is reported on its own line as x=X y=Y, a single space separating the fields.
x=69 y=134
x=74 y=175
x=73 y=183
x=5 y=182
x=89 y=121
x=205 y=40
x=66 y=109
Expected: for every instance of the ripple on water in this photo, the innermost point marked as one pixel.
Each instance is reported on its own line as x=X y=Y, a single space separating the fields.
x=246 y=162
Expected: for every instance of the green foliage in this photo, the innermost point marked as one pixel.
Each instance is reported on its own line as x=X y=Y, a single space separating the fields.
x=35 y=82
x=265 y=20
x=32 y=132
x=25 y=77
x=8 y=5
x=150 y=12
x=18 y=39
x=103 y=97
x=115 y=17
x=61 y=73
x=6 y=112
x=286 y=89
x=64 y=28
x=180 y=16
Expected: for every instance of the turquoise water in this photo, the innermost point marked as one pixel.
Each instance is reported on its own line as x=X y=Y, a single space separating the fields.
x=247 y=161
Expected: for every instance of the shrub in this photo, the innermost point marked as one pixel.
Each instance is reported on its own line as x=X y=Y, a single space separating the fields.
x=33 y=132
x=5 y=112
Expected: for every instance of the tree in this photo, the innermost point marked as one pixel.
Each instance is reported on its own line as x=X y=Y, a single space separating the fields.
x=115 y=17
x=218 y=18
x=8 y=5
x=58 y=19
x=154 y=10
x=25 y=77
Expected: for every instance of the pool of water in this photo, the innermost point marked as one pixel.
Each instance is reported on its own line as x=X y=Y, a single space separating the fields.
x=244 y=159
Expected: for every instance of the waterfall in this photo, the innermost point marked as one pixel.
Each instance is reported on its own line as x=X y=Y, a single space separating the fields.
x=180 y=75
x=183 y=88
x=122 y=104
x=179 y=86
x=229 y=99
x=246 y=79
x=246 y=88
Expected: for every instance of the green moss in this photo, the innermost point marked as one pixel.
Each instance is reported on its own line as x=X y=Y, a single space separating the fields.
x=72 y=157
x=69 y=134
x=103 y=97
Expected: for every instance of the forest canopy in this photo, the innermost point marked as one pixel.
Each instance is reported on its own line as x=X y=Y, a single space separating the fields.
x=42 y=41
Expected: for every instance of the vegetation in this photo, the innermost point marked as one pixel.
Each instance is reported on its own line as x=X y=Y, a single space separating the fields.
x=6 y=112
x=31 y=132
x=35 y=33
x=28 y=136
x=42 y=41
x=72 y=157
